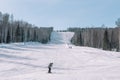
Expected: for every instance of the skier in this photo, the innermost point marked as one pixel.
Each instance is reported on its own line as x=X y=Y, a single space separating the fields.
x=49 y=67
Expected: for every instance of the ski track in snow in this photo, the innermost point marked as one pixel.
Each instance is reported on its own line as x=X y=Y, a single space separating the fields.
x=29 y=61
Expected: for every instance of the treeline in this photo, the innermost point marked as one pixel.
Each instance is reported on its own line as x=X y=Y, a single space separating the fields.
x=20 y=31
x=105 y=38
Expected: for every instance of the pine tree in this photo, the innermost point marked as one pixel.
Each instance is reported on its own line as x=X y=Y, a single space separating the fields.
x=35 y=36
x=28 y=35
x=8 y=37
x=106 y=42
x=18 y=34
x=22 y=35
x=78 y=39
x=81 y=41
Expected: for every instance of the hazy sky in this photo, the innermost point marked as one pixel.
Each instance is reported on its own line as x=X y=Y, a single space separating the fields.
x=62 y=14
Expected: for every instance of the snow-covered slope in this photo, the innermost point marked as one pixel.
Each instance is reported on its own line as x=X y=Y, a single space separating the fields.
x=61 y=37
x=29 y=61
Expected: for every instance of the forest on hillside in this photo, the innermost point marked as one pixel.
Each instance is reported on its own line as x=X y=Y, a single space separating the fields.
x=102 y=37
x=21 y=31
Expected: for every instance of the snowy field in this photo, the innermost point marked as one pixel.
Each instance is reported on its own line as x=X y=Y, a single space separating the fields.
x=29 y=61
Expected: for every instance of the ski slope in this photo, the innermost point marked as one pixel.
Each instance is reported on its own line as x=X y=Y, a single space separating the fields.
x=61 y=37
x=29 y=61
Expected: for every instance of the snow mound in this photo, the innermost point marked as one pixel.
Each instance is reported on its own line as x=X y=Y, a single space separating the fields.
x=61 y=37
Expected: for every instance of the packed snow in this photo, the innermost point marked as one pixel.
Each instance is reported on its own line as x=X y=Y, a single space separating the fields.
x=29 y=61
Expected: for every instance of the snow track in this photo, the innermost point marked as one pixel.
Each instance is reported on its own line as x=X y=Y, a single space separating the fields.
x=29 y=61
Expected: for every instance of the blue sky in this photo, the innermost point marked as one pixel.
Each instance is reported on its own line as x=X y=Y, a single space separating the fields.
x=62 y=14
